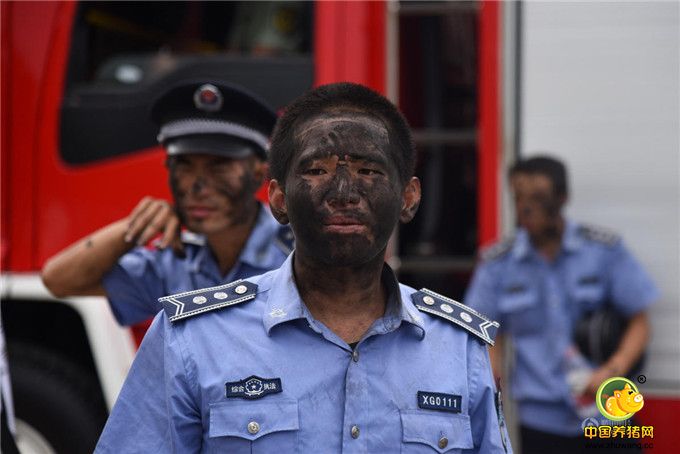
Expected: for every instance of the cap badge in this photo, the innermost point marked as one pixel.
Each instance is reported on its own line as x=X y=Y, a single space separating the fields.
x=208 y=98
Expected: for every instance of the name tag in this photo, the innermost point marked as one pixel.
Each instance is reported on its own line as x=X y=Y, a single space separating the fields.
x=439 y=401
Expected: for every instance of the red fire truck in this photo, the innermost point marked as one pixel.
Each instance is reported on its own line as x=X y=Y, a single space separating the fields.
x=78 y=151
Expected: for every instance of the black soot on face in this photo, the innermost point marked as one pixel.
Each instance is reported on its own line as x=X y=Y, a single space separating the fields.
x=228 y=184
x=343 y=192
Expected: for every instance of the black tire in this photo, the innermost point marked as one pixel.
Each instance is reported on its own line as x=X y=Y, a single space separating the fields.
x=57 y=397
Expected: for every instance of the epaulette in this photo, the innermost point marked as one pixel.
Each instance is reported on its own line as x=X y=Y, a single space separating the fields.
x=460 y=314
x=192 y=238
x=285 y=239
x=497 y=250
x=188 y=304
x=599 y=234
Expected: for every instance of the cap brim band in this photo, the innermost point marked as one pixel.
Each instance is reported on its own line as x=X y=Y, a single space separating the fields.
x=187 y=127
x=213 y=145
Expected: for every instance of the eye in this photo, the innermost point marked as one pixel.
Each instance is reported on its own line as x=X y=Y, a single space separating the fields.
x=369 y=172
x=314 y=171
x=178 y=163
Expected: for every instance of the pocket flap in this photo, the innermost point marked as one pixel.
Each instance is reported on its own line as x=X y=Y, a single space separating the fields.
x=252 y=420
x=431 y=428
x=515 y=302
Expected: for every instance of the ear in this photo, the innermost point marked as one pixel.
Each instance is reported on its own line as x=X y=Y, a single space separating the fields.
x=277 y=202
x=260 y=170
x=410 y=200
x=562 y=200
x=617 y=394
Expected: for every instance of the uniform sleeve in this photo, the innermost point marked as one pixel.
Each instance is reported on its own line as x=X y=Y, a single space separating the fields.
x=482 y=294
x=156 y=409
x=133 y=287
x=489 y=431
x=632 y=289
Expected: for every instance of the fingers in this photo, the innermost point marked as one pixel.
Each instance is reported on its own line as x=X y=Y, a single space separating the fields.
x=149 y=218
x=170 y=232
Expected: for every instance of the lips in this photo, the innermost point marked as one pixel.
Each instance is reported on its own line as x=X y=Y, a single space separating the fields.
x=199 y=211
x=344 y=224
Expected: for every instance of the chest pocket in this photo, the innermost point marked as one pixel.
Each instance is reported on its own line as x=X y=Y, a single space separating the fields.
x=253 y=427
x=430 y=432
x=589 y=293
x=521 y=310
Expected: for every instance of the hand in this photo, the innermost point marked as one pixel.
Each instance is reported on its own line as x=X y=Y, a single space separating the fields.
x=152 y=217
x=596 y=378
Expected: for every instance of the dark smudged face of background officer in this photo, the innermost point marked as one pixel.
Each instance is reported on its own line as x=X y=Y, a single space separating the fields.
x=343 y=194
x=213 y=193
x=537 y=206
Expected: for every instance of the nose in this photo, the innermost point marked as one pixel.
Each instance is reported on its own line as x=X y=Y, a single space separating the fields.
x=344 y=190
x=198 y=185
x=638 y=398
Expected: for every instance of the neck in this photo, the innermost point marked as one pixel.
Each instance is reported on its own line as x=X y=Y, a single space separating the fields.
x=227 y=244
x=549 y=241
x=346 y=299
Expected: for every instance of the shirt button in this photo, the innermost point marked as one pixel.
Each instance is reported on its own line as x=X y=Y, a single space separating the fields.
x=253 y=427
x=355 y=432
x=355 y=355
x=443 y=442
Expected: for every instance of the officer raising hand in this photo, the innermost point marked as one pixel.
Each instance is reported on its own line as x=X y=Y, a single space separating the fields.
x=328 y=353
x=216 y=137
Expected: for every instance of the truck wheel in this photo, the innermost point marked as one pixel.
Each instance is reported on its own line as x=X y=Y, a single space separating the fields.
x=55 y=398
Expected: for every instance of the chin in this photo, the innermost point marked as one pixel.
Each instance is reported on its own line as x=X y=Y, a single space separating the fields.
x=349 y=253
x=207 y=227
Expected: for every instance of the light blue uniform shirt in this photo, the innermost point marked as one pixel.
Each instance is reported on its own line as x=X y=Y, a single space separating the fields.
x=143 y=275
x=174 y=399
x=538 y=303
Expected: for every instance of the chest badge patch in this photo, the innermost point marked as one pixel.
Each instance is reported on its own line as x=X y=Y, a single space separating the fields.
x=439 y=401
x=253 y=387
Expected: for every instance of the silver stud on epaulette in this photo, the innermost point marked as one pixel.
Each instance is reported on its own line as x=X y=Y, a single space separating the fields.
x=241 y=289
x=446 y=308
x=199 y=299
x=221 y=296
x=428 y=300
x=466 y=317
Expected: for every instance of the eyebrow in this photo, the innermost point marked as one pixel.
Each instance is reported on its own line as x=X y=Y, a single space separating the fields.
x=373 y=158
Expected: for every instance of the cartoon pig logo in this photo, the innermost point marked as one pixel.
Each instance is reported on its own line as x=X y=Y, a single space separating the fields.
x=618 y=398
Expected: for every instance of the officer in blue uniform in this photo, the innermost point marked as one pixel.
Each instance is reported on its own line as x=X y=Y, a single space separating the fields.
x=216 y=136
x=329 y=353
x=539 y=285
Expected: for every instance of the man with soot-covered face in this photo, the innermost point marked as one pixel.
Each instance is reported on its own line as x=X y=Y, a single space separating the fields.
x=328 y=353
x=216 y=136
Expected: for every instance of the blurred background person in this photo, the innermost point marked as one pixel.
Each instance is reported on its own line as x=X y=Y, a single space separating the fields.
x=539 y=285
x=216 y=138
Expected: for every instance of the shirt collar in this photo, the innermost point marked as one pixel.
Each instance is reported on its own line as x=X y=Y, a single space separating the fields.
x=522 y=245
x=571 y=241
x=285 y=304
x=256 y=251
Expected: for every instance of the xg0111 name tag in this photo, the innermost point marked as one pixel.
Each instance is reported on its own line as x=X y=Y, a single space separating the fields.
x=439 y=401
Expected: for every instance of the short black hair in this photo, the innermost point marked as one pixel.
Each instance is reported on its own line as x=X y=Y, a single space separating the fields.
x=545 y=165
x=339 y=97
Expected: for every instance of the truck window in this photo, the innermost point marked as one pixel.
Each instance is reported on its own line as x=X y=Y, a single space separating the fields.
x=123 y=53
x=438 y=94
